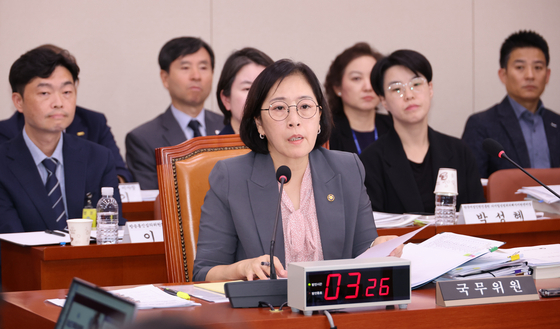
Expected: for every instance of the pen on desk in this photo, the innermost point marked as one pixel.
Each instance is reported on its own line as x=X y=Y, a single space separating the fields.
x=179 y=294
x=54 y=233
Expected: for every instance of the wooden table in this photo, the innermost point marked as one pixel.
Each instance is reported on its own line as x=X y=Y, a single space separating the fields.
x=515 y=234
x=135 y=211
x=29 y=310
x=53 y=267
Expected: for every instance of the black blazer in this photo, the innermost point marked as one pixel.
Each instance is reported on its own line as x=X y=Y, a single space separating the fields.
x=390 y=182
x=500 y=123
x=341 y=136
x=87 y=124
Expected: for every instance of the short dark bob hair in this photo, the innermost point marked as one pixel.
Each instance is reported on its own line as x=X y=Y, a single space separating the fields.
x=336 y=72
x=235 y=62
x=39 y=63
x=523 y=39
x=262 y=85
x=410 y=59
x=179 y=47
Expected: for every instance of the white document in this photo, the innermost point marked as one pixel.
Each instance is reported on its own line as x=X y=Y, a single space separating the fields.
x=150 y=296
x=35 y=238
x=442 y=253
x=384 y=249
x=149 y=195
x=386 y=220
x=540 y=193
x=543 y=255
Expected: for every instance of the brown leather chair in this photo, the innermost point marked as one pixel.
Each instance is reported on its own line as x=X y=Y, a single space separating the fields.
x=503 y=184
x=183 y=182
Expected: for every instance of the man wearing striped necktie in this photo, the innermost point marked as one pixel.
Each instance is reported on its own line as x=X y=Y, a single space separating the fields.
x=45 y=174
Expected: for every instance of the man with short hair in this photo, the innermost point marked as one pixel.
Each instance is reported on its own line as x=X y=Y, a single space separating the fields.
x=187 y=65
x=87 y=124
x=46 y=173
x=528 y=132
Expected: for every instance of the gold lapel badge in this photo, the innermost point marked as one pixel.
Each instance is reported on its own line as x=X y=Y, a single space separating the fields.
x=80 y=133
x=330 y=197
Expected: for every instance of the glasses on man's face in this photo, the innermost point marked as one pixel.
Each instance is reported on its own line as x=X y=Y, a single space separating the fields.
x=415 y=85
x=305 y=108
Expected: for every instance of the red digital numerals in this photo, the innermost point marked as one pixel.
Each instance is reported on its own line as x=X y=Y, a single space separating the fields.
x=355 y=287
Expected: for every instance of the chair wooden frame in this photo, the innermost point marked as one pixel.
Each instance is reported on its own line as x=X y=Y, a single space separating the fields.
x=503 y=184
x=180 y=219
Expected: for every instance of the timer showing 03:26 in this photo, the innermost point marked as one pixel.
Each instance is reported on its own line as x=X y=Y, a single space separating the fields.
x=348 y=283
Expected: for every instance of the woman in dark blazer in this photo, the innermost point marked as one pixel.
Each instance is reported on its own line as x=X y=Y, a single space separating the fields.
x=402 y=166
x=285 y=122
x=352 y=100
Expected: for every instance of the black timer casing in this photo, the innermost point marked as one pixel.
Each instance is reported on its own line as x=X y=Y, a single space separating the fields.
x=335 y=284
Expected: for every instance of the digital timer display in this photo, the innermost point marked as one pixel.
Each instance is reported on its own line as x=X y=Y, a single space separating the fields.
x=361 y=285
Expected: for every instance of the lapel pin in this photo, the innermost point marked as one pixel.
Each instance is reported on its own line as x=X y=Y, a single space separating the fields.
x=330 y=198
x=80 y=133
x=553 y=124
x=217 y=132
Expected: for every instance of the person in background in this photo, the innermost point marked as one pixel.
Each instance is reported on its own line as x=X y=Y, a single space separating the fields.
x=187 y=65
x=529 y=133
x=240 y=70
x=326 y=213
x=46 y=173
x=353 y=101
x=402 y=166
x=87 y=124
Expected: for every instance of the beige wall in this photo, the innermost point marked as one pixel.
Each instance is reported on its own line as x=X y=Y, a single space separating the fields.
x=116 y=43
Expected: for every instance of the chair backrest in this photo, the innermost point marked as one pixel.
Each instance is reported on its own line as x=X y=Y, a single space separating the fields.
x=503 y=184
x=183 y=182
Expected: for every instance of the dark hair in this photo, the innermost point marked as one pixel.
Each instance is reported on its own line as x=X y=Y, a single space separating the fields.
x=410 y=59
x=235 y=62
x=274 y=73
x=179 y=47
x=336 y=71
x=58 y=50
x=523 y=39
x=39 y=63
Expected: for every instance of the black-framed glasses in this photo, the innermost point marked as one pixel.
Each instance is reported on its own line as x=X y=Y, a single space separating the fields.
x=306 y=108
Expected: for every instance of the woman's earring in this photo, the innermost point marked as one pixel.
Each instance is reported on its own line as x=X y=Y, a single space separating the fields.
x=261 y=136
x=319 y=131
x=339 y=94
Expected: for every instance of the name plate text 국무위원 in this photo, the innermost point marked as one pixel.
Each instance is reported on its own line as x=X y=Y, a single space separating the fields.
x=486 y=291
x=496 y=212
x=143 y=231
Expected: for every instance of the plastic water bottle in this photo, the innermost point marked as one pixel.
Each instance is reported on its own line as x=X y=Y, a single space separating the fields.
x=445 y=209
x=107 y=217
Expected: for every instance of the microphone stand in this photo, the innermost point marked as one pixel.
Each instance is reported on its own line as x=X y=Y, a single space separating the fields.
x=525 y=171
x=273 y=240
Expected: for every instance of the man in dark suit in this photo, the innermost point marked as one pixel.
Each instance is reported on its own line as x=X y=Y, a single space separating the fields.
x=187 y=65
x=527 y=130
x=87 y=124
x=46 y=173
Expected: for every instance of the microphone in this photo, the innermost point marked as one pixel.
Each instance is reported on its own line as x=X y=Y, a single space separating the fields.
x=283 y=175
x=271 y=292
x=493 y=148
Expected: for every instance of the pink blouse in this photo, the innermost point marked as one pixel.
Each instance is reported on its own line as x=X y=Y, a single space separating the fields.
x=302 y=240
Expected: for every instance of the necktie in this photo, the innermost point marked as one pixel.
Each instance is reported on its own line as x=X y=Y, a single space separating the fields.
x=195 y=125
x=55 y=192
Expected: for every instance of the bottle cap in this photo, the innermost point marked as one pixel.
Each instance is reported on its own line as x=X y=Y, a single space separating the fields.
x=446 y=181
x=107 y=191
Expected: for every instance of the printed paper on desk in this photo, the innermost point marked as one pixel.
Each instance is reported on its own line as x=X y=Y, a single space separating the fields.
x=143 y=231
x=130 y=192
x=384 y=249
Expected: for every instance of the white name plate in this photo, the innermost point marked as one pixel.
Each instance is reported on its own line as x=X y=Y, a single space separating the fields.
x=130 y=192
x=496 y=212
x=143 y=231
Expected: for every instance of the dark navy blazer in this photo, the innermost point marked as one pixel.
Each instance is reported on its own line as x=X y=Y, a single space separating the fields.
x=500 y=123
x=87 y=124
x=24 y=204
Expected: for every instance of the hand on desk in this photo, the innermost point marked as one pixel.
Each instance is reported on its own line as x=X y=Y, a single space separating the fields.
x=397 y=252
x=250 y=269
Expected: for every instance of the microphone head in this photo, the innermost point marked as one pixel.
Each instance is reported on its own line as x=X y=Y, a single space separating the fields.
x=492 y=147
x=283 y=172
